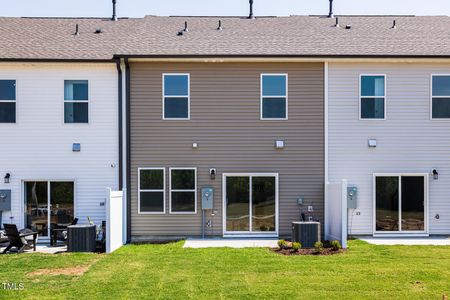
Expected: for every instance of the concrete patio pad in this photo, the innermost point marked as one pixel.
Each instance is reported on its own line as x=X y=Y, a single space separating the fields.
x=43 y=248
x=431 y=241
x=230 y=243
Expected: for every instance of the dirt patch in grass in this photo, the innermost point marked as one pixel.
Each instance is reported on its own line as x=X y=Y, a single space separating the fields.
x=325 y=251
x=71 y=271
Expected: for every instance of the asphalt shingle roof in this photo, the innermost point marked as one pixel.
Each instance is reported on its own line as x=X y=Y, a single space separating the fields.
x=53 y=38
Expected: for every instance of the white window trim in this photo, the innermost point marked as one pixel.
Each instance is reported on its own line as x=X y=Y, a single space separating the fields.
x=372 y=97
x=48 y=181
x=431 y=98
x=250 y=232
x=283 y=96
x=10 y=101
x=425 y=232
x=160 y=190
x=76 y=101
x=183 y=96
x=189 y=190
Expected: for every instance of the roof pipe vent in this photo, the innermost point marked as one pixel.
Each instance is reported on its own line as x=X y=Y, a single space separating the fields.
x=251 y=16
x=114 y=16
x=394 y=24
x=330 y=14
x=337 y=22
x=220 y=28
x=77 y=30
x=186 y=29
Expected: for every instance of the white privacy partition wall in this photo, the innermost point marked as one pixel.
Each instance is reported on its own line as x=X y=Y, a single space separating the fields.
x=114 y=219
x=336 y=211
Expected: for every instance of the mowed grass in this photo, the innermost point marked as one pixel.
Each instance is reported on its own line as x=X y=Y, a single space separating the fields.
x=171 y=272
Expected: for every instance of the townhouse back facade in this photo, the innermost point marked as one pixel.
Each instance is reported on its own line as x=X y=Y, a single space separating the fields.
x=255 y=114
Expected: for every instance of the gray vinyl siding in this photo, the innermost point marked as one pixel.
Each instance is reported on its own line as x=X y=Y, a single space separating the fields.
x=225 y=122
x=408 y=141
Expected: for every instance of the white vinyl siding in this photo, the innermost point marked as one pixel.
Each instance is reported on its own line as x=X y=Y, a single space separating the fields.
x=407 y=142
x=39 y=147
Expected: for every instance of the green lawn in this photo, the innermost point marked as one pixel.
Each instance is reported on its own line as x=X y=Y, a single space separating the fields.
x=171 y=272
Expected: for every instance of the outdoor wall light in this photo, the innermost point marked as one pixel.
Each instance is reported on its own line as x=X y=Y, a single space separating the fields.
x=7 y=177
x=279 y=144
x=372 y=143
x=435 y=174
x=194 y=145
x=212 y=173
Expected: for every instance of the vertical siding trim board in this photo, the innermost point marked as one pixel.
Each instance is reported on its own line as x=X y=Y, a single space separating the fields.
x=128 y=145
x=373 y=97
x=170 y=191
x=163 y=190
x=426 y=208
x=120 y=91
x=325 y=142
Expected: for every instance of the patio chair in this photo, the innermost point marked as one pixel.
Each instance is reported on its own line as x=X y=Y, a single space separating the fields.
x=59 y=232
x=19 y=240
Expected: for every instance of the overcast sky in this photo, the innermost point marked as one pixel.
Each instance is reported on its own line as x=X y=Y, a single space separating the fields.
x=140 y=8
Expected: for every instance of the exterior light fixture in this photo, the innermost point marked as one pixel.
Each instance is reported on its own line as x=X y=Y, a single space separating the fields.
x=279 y=144
x=7 y=177
x=212 y=173
x=194 y=145
x=372 y=143
x=435 y=174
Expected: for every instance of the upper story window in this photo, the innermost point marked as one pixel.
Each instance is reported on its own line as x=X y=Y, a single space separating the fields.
x=151 y=191
x=440 y=97
x=274 y=100
x=176 y=92
x=183 y=190
x=7 y=101
x=373 y=97
x=76 y=98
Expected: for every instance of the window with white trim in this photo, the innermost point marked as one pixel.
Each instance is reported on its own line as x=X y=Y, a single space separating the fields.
x=440 y=97
x=372 y=97
x=151 y=190
x=176 y=92
x=7 y=101
x=183 y=190
x=274 y=100
x=76 y=98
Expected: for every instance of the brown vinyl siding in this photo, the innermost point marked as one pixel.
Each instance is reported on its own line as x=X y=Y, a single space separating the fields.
x=225 y=122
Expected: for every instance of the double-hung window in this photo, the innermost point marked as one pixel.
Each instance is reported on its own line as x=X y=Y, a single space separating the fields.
x=76 y=97
x=372 y=97
x=274 y=97
x=7 y=101
x=176 y=93
x=183 y=190
x=440 y=97
x=151 y=197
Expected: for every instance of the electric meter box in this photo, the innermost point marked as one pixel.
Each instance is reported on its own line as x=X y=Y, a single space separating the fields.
x=207 y=198
x=352 y=197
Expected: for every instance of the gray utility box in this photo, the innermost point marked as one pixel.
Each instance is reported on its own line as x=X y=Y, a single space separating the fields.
x=307 y=233
x=5 y=200
x=352 y=197
x=207 y=198
x=81 y=238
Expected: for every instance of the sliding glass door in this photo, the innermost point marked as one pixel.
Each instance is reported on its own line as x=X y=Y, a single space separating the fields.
x=48 y=204
x=250 y=204
x=400 y=203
